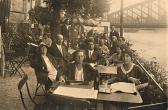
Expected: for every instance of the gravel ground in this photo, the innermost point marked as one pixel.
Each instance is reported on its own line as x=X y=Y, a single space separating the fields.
x=9 y=94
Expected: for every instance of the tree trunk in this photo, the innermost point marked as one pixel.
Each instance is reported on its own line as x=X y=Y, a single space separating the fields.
x=2 y=57
x=55 y=26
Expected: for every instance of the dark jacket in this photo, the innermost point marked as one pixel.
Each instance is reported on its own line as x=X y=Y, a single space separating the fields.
x=65 y=32
x=53 y=50
x=91 y=59
x=56 y=58
x=89 y=73
x=114 y=33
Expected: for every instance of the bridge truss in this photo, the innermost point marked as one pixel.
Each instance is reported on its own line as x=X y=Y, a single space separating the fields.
x=148 y=14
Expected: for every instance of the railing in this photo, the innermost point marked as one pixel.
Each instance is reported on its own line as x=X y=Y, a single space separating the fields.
x=148 y=14
x=156 y=106
x=148 y=74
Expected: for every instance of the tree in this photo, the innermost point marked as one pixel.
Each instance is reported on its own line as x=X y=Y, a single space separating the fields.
x=82 y=7
x=77 y=9
x=96 y=8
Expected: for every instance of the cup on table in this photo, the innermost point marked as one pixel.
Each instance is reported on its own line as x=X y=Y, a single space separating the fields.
x=105 y=83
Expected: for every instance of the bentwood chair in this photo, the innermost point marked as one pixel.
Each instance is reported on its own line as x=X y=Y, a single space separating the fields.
x=23 y=82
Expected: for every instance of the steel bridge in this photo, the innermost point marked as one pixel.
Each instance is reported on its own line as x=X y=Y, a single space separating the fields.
x=146 y=14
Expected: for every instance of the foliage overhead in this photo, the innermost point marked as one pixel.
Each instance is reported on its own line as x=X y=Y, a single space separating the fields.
x=40 y=14
x=94 y=8
x=78 y=8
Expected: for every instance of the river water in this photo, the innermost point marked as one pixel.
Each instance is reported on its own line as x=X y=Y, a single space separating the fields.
x=150 y=43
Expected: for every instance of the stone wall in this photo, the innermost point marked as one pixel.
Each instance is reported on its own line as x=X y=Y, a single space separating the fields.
x=19 y=11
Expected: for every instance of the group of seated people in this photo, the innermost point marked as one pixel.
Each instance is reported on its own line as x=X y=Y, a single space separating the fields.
x=62 y=66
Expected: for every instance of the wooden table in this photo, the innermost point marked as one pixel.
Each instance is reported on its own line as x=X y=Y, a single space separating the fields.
x=101 y=98
x=120 y=97
x=106 y=69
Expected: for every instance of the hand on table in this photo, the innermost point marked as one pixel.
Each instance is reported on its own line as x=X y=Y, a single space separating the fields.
x=134 y=80
x=61 y=79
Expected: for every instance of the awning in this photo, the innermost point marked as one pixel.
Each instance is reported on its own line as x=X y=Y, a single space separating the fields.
x=91 y=22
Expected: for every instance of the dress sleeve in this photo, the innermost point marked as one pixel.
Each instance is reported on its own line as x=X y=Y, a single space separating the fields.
x=141 y=74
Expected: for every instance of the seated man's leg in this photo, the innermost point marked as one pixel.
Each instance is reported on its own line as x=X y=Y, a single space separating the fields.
x=48 y=84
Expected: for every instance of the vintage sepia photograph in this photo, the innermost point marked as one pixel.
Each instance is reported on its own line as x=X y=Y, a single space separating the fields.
x=83 y=55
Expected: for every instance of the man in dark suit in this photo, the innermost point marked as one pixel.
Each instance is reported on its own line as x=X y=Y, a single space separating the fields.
x=90 y=54
x=78 y=70
x=58 y=53
x=89 y=74
x=114 y=33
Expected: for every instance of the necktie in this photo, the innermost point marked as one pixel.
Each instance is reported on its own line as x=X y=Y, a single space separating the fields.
x=90 y=54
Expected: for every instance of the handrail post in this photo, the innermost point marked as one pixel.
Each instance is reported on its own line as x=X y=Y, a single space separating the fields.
x=121 y=19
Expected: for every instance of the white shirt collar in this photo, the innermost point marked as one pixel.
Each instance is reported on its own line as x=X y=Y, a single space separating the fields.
x=91 y=51
x=59 y=47
x=127 y=71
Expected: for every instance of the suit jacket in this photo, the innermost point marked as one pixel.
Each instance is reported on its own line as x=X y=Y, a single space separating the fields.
x=54 y=51
x=89 y=73
x=92 y=58
x=56 y=57
x=65 y=32
x=114 y=33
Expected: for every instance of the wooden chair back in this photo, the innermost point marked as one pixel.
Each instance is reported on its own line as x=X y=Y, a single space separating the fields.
x=21 y=83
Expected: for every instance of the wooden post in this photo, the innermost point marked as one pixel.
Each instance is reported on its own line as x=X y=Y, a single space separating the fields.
x=30 y=4
x=2 y=56
x=121 y=19
x=0 y=42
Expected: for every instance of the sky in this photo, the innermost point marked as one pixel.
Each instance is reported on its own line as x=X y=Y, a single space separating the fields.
x=115 y=4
